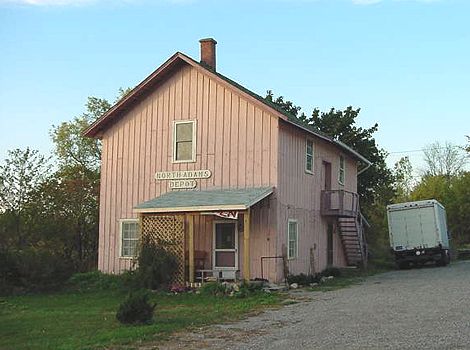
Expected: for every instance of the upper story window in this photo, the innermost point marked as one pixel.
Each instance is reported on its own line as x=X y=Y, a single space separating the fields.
x=309 y=156
x=184 y=141
x=341 y=170
x=292 y=239
x=129 y=238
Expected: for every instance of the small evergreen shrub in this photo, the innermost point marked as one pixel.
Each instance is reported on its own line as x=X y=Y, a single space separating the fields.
x=156 y=266
x=136 y=309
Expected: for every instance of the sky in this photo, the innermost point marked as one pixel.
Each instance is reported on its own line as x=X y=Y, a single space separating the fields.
x=405 y=63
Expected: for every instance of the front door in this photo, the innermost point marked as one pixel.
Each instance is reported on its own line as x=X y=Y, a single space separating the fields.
x=225 y=245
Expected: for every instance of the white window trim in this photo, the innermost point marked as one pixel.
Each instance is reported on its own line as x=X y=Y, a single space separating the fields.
x=313 y=156
x=296 y=240
x=339 y=169
x=121 y=221
x=193 y=155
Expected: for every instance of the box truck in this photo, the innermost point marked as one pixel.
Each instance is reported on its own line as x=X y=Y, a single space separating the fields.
x=418 y=233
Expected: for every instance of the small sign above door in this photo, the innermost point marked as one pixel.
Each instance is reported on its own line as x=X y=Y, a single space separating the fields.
x=227 y=214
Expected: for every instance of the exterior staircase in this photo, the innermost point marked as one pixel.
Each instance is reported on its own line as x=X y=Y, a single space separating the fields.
x=344 y=206
x=351 y=230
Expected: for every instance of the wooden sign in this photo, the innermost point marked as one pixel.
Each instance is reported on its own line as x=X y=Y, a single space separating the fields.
x=185 y=174
x=182 y=184
x=227 y=214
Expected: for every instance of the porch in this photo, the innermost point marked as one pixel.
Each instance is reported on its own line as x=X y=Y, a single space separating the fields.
x=209 y=232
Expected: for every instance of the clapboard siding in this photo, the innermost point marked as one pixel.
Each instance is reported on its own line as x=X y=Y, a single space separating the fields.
x=236 y=140
x=299 y=198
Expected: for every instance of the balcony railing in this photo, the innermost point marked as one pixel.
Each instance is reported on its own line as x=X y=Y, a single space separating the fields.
x=339 y=203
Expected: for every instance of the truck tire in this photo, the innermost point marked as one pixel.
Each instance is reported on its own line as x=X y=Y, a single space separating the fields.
x=445 y=258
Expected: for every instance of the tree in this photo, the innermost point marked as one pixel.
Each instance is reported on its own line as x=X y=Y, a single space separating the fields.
x=341 y=125
x=446 y=159
x=77 y=181
x=71 y=148
x=403 y=174
x=375 y=186
x=20 y=176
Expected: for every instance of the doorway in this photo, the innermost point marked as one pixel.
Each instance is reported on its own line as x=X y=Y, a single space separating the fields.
x=225 y=247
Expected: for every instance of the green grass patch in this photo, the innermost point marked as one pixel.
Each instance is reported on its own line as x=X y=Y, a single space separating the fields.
x=86 y=318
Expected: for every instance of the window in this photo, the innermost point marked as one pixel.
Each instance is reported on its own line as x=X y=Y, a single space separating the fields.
x=184 y=145
x=309 y=157
x=129 y=238
x=292 y=239
x=341 y=170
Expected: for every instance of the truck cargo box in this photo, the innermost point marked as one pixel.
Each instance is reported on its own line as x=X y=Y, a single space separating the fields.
x=418 y=232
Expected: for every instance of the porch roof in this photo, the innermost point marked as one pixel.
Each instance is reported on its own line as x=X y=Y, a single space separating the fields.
x=209 y=200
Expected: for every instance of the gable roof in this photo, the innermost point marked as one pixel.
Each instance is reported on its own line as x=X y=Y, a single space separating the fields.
x=173 y=63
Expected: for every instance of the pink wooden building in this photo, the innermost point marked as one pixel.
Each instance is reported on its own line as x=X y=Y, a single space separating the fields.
x=234 y=185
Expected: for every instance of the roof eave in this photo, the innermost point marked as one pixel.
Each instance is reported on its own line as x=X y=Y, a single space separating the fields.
x=95 y=129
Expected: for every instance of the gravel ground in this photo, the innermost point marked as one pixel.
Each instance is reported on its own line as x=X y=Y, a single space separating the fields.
x=426 y=308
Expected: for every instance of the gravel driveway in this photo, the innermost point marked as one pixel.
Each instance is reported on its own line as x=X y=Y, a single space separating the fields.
x=426 y=308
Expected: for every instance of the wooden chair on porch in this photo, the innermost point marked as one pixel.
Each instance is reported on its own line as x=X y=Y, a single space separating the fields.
x=200 y=260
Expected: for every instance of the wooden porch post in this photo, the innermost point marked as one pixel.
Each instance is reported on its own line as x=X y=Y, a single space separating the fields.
x=191 y=247
x=246 y=245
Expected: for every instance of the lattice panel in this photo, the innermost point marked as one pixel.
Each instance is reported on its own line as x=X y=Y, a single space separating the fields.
x=169 y=232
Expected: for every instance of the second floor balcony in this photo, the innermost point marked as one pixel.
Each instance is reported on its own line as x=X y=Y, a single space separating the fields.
x=339 y=203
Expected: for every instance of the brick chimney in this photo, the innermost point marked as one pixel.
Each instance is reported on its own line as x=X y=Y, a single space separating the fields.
x=208 y=52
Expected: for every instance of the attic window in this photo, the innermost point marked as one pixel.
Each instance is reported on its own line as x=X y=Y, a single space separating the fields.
x=184 y=145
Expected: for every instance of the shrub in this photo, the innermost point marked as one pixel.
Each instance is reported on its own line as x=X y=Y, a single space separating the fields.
x=214 y=289
x=97 y=280
x=331 y=271
x=33 y=269
x=156 y=266
x=303 y=279
x=136 y=309
x=231 y=289
x=248 y=288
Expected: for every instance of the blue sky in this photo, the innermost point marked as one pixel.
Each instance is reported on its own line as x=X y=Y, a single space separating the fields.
x=406 y=63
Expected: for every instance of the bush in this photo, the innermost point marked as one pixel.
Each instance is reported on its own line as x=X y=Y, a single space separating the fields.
x=303 y=279
x=230 y=289
x=156 y=266
x=32 y=270
x=136 y=309
x=97 y=280
x=213 y=289
x=331 y=271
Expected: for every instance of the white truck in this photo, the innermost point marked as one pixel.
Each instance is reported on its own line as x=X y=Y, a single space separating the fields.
x=418 y=233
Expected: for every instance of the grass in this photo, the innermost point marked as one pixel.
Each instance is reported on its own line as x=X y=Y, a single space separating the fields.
x=86 y=319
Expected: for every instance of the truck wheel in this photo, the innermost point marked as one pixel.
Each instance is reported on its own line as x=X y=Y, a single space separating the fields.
x=445 y=259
